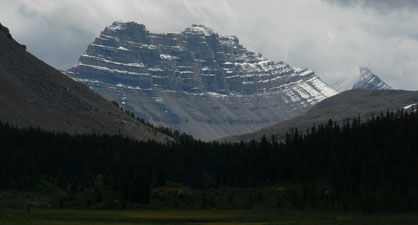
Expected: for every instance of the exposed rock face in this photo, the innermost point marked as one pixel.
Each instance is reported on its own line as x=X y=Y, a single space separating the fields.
x=198 y=81
x=33 y=93
x=370 y=81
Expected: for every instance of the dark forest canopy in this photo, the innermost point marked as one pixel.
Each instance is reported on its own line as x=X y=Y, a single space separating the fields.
x=370 y=165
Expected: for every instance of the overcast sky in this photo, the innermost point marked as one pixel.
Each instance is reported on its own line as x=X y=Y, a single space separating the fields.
x=331 y=37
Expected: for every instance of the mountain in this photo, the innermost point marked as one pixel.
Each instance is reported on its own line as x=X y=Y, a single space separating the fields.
x=33 y=93
x=346 y=105
x=370 y=81
x=197 y=81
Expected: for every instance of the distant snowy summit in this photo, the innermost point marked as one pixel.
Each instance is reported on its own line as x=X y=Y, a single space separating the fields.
x=196 y=81
x=370 y=81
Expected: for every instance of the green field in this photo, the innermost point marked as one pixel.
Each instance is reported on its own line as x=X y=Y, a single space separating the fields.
x=212 y=217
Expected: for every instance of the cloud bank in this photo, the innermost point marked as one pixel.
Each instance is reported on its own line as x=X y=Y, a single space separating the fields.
x=332 y=37
x=381 y=5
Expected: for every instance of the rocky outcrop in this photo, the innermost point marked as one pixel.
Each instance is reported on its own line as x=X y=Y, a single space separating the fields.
x=5 y=31
x=197 y=81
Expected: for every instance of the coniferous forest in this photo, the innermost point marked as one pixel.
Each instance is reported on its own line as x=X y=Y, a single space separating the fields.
x=365 y=165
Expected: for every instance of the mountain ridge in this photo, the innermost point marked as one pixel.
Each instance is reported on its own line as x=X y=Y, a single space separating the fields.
x=196 y=81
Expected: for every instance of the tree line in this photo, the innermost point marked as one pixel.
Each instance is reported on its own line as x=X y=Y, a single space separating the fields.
x=369 y=165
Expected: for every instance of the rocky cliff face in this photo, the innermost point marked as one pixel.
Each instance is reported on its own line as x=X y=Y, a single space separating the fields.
x=370 y=81
x=197 y=81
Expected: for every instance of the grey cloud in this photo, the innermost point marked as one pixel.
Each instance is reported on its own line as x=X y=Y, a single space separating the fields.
x=380 y=5
x=333 y=41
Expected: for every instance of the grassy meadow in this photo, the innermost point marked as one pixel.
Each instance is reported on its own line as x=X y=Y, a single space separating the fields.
x=223 y=207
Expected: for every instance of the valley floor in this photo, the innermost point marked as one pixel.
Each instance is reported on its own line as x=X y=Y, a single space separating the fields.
x=52 y=208
x=180 y=217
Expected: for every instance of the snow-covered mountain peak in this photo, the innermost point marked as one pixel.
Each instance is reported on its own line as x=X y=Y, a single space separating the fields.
x=365 y=73
x=369 y=80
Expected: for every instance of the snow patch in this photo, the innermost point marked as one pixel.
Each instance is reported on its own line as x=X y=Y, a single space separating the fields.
x=127 y=87
x=86 y=80
x=155 y=69
x=199 y=29
x=168 y=57
x=123 y=48
x=140 y=65
x=214 y=94
x=113 y=70
x=409 y=106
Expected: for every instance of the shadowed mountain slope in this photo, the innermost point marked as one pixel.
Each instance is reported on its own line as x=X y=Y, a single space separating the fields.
x=33 y=93
x=349 y=104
